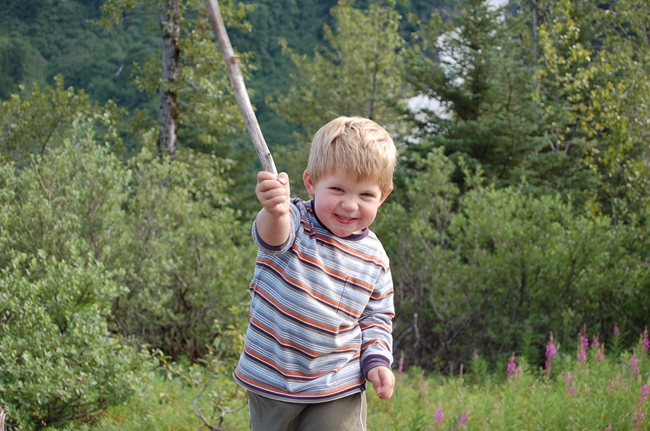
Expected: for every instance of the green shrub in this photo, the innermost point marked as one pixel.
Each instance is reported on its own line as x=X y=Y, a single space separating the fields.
x=59 y=362
x=163 y=227
x=479 y=271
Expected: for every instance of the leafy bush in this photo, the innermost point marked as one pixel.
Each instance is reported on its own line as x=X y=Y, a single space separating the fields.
x=187 y=259
x=59 y=362
x=162 y=227
x=479 y=271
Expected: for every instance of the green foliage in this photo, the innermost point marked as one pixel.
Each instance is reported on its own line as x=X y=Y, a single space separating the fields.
x=167 y=403
x=187 y=258
x=163 y=227
x=59 y=361
x=480 y=269
x=208 y=115
x=599 y=394
x=43 y=119
x=358 y=74
x=477 y=75
x=58 y=38
x=593 y=94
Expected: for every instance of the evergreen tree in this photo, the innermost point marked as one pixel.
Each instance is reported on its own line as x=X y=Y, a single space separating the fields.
x=358 y=73
x=595 y=96
x=196 y=102
x=474 y=71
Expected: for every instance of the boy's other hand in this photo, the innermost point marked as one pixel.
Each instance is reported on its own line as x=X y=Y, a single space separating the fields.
x=273 y=192
x=383 y=380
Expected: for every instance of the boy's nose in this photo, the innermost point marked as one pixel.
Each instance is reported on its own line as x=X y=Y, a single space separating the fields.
x=349 y=205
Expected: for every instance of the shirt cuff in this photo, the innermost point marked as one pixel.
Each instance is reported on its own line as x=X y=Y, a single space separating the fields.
x=373 y=361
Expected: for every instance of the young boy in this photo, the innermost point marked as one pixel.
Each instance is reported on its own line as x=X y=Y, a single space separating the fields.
x=322 y=294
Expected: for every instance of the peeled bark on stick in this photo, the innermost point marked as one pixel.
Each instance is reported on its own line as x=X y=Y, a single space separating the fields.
x=239 y=87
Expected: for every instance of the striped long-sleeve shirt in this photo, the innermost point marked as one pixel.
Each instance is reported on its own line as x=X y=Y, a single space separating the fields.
x=320 y=316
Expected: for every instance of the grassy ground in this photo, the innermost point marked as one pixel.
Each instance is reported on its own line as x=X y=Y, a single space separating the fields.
x=581 y=390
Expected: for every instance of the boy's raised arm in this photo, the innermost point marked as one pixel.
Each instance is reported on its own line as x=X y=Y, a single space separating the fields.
x=274 y=220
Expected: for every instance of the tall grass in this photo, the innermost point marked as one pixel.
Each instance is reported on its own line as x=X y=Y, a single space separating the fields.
x=577 y=388
x=583 y=389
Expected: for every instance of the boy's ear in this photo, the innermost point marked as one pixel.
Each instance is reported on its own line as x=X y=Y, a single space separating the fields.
x=383 y=198
x=309 y=184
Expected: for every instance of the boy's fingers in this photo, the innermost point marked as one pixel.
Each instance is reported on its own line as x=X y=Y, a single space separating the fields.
x=283 y=178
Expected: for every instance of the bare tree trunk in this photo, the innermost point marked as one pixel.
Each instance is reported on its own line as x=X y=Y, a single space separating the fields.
x=3 y=415
x=535 y=33
x=168 y=97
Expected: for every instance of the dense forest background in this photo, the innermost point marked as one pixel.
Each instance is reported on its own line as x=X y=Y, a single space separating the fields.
x=520 y=208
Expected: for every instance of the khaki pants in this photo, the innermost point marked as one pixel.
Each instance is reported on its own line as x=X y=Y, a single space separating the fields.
x=345 y=414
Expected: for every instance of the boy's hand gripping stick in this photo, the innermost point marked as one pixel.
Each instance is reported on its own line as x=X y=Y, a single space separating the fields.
x=239 y=87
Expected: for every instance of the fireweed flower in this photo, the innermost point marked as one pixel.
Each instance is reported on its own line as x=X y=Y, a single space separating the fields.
x=634 y=366
x=638 y=418
x=645 y=390
x=600 y=354
x=646 y=341
x=512 y=366
x=584 y=340
x=550 y=349
x=439 y=416
x=608 y=427
x=568 y=381
x=550 y=354
x=595 y=342
x=463 y=420
x=617 y=331
x=582 y=355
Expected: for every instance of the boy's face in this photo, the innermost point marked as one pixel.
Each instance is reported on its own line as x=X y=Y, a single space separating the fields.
x=344 y=204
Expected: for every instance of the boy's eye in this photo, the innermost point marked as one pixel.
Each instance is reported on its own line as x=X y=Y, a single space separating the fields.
x=337 y=189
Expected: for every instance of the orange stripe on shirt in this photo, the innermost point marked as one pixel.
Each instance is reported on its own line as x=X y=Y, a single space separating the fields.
x=285 y=372
x=288 y=312
x=307 y=289
x=288 y=343
x=295 y=395
x=351 y=251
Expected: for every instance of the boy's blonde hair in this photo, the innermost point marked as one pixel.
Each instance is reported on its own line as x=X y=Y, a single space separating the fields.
x=357 y=145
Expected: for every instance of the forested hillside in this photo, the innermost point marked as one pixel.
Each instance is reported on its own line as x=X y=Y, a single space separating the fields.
x=40 y=39
x=519 y=219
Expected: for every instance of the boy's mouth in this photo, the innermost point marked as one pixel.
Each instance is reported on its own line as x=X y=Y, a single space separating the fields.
x=345 y=220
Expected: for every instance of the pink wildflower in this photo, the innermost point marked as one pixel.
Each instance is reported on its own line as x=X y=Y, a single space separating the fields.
x=595 y=342
x=550 y=349
x=634 y=366
x=463 y=420
x=400 y=368
x=608 y=427
x=645 y=390
x=600 y=354
x=584 y=340
x=512 y=366
x=550 y=353
x=617 y=331
x=439 y=416
x=582 y=355
x=638 y=418
x=646 y=341
x=568 y=381
x=518 y=371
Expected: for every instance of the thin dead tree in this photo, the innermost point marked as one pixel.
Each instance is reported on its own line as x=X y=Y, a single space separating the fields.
x=168 y=113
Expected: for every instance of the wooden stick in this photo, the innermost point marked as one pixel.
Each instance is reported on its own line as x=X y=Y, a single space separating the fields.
x=239 y=87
